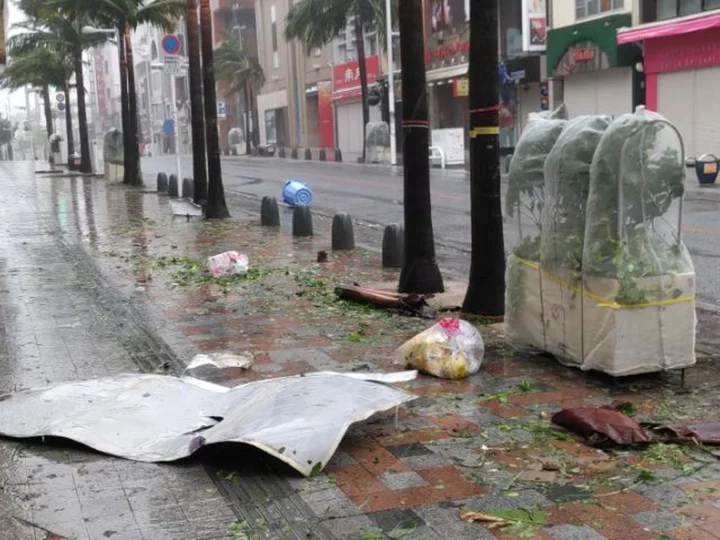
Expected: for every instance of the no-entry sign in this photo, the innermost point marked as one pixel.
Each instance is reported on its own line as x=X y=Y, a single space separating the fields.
x=171 y=44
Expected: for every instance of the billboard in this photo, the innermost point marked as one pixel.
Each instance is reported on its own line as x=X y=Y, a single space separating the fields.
x=346 y=77
x=534 y=14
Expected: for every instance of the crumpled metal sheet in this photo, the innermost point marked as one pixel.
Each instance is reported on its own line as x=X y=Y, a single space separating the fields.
x=600 y=424
x=701 y=432
x=299 y=420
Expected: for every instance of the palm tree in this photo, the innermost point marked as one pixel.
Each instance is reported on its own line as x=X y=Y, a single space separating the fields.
x=244 y=73
x=196 y=104
x=486 y=289
x=315 y=23
x=37 y=67
x=216 y=207
x=125 y=16
x=420 y=273
x=57 y=25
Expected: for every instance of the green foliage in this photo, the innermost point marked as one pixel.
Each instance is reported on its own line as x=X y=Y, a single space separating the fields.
x=235 y=65
x=7 y=131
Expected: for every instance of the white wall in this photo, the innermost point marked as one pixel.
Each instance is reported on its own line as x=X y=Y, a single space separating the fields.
x=599 y=92
x=563 y=12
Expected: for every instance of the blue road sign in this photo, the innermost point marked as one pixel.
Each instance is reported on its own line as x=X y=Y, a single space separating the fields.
x=171 y=44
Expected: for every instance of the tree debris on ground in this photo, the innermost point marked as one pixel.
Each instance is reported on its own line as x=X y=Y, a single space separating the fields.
x=415 y=304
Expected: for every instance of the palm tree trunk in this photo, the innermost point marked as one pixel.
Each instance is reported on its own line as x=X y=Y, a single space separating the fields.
x=69 y=122
x=360 y=45
x=420 y=273
x=196 y=105
x=85 y=164
x=124 y=111
x=255 y=118
x=135 y=174
x=248 y=143
x=48 y=110
x=486 y=290
x=216 y=208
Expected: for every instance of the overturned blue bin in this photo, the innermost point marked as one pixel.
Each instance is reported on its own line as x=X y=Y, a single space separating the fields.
x=297 y=192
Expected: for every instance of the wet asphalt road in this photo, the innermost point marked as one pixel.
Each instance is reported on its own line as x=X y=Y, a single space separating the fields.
x=373 y=195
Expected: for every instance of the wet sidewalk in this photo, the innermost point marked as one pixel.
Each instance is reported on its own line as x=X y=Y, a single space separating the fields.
x=99 y=280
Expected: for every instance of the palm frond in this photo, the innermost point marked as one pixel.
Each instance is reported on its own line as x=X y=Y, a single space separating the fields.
x=315 y=23
x=235 y=65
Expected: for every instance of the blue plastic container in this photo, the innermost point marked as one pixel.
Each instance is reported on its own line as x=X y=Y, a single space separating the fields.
x=296 y=192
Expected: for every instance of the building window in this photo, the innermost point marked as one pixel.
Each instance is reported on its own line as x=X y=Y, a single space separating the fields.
x=591 y=8
x=345 y=45
x=273 y=32
x=662 y=10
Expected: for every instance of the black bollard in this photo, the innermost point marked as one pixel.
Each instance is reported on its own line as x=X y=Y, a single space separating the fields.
x=281 y=153
x=323 y=155
x=308 y=154
x=302 y=221
x=343 y=234
x=162 y=183
x=173 y=188
x=188 y=188
x=269 y=212
x=338 y=155
x=393 y=251
x=294 y=153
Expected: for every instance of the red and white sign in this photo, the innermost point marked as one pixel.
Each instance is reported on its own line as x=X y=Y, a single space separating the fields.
x=534 y=20
x=346 y=78
x=684 y=51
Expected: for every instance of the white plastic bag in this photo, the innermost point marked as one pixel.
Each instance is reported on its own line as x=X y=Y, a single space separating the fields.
x=451 y=349
x=230 y=263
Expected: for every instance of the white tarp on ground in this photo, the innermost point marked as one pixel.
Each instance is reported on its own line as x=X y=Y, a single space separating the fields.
x=299 y=420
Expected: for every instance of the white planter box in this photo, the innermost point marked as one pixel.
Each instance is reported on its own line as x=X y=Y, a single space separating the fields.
x=584 y=327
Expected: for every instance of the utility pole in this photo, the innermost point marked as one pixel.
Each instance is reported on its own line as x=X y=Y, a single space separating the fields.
x=391 y=82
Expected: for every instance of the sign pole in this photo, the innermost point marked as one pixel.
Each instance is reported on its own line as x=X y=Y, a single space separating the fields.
x=391 y=83
x=176 y=130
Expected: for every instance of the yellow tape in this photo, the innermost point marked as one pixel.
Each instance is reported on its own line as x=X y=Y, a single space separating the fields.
x=478 y=131
x=603 y=302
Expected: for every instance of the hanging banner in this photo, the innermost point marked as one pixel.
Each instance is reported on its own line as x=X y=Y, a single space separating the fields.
x=534 y=14
x=325 y=114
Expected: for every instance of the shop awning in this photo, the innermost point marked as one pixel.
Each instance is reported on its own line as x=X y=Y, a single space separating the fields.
x=602 y=32
x=449 y=72
x=668 y=28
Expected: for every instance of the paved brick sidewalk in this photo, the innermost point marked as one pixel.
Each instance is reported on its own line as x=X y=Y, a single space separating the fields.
x=480 y=444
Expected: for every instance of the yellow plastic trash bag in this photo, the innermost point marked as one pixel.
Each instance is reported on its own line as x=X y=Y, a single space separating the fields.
x=451 y=349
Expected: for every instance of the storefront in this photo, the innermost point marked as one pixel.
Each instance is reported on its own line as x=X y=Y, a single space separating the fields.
x=596 y=75
x=682 y=68
x=273 y=116
x=347 y=99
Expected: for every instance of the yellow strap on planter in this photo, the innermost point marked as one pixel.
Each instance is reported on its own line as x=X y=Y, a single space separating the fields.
x=603 y=302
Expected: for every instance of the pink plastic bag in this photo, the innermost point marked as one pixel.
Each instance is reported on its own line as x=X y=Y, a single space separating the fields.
x=230 y=263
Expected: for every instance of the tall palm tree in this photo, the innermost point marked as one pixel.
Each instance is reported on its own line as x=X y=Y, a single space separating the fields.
x=486 y=289
x=125 y=16
x=420 y=273
x=244 y=73
x=197 y=116
x=216 y=207
x=315 y=23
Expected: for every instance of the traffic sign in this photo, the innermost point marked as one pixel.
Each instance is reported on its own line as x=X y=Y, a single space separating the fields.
x=171 y=44
x=59 y=97
x=61 y=106
x=172 y=66
x=221 y=110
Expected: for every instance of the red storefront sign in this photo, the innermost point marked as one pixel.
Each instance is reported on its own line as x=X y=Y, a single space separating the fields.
x=325 y=115
x=583 y=55
x=346 y=78
x=441 y=53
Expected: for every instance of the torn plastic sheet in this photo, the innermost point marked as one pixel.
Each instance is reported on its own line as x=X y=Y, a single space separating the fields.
x=299 y=420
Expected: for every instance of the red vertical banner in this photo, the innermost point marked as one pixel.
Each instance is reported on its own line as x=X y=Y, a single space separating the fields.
x=325 y=114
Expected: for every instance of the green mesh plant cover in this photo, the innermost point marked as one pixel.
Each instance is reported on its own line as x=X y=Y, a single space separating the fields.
x=526 y=180
x=636 y=184
x=113 y=147
x=567 y=183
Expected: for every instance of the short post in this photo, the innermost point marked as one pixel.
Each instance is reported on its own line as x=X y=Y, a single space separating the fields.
x=173 y=188
x=323 y=155
x=269 y=212
x=308 y=154
x=188 y=188
x=281 y=153
x=294 y=153
x=343 y=234
x=393 y=251
x=338 y=155
x=302 y=221
x=162 y=183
